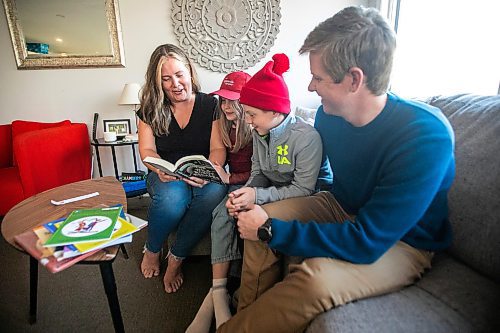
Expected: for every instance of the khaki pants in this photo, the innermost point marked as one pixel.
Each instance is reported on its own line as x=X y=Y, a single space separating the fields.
x=270 y=303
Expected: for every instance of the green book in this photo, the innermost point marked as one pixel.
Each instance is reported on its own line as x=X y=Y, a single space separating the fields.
x=86 y=225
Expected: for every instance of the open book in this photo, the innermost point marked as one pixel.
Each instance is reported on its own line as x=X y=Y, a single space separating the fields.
x=187 y=166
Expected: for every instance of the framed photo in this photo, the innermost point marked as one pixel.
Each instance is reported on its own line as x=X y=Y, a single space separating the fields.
x=120 y=126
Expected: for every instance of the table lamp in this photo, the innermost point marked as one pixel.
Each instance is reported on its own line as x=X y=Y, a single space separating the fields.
x=130 y=96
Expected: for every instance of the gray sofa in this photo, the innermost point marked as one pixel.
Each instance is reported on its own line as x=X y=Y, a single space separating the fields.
x=461 y=293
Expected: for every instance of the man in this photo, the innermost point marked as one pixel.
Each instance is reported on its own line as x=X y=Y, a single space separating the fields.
x=376 y=229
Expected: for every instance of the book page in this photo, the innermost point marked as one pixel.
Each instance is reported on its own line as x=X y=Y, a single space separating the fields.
x=181 y=160
x=161 y=164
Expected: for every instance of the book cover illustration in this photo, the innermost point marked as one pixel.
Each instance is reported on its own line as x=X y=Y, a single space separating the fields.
x=122 y=228
x=188 y=166
x=124 y=235
x=69 y=251
x=85 y=225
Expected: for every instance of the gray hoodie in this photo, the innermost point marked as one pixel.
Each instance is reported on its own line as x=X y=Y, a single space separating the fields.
x=288 y=166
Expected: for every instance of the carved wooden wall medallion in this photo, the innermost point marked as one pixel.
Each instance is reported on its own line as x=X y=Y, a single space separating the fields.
x=226 y=35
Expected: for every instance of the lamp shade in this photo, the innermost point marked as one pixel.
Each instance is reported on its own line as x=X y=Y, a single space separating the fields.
x=130 y=94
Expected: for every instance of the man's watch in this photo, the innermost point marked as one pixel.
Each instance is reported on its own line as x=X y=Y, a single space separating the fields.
x=264 y=232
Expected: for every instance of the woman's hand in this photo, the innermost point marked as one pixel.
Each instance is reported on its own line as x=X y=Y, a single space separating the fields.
x=147 y=147
x=222 y=173
x=195 y=181
x=164 y=177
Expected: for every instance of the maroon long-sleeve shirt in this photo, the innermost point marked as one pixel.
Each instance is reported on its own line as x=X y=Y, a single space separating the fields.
x=240 y=163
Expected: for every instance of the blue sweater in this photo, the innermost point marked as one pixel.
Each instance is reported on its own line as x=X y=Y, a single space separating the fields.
x=393 y=174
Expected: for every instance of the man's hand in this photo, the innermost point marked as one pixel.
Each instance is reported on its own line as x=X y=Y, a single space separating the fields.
x=249 y=221
x=240 y=200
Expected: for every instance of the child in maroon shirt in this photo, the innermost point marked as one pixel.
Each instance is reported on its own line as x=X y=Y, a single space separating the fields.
x=237 y=137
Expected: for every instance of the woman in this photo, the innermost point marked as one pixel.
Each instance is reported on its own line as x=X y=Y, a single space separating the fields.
x=176 y=120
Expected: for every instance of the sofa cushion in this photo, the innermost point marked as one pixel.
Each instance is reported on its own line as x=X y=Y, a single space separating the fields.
x=474 y=196
x=472 y=295
x=11 y=189
x=22 y=126
x=410 y=310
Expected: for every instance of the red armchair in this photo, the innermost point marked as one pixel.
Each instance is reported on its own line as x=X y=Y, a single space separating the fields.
x=35 y=157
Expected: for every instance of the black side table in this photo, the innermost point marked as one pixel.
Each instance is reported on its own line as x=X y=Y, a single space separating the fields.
x=132 y=143
x=101 y=143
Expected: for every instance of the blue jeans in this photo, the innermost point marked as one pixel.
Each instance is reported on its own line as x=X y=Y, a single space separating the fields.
x=178 y=205
x=224 y=234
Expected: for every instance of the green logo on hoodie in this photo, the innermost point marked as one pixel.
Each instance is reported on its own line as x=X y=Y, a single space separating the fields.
x=282 y=153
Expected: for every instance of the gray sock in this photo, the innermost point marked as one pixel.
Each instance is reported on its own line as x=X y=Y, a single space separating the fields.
x=221 y=301
x=203 y=319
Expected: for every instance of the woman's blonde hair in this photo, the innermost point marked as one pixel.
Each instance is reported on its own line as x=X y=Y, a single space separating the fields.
x=156 y=107
x=243 y=130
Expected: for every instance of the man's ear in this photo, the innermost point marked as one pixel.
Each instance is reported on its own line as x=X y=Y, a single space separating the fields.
x=357 y=76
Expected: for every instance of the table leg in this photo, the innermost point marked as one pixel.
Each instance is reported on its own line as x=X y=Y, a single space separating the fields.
x=114 y=161
x=33 y=289
x=108 y=279
x=124 y=251
x=98 y=160
x=135 y=159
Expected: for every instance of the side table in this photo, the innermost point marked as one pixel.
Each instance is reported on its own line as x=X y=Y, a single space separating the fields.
x=132 y=143
x=38 y=210
x=101 y=143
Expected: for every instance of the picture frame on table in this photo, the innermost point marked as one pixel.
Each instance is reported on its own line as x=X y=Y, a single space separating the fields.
x=120 y=126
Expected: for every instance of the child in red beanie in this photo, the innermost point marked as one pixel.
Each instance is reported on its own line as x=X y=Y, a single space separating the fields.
x=287 y=151
x=285 y=163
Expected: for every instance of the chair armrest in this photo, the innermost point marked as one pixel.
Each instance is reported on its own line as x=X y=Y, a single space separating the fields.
x=52 y=157
x=5 y=146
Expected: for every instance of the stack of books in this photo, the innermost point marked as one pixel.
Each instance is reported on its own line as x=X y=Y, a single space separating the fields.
x=60 y=244
x=134 y=183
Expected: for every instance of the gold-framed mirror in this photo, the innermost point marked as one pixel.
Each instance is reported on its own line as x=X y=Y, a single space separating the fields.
x=65 y=33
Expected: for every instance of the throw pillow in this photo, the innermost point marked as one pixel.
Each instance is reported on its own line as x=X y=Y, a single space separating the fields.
x=307 y=114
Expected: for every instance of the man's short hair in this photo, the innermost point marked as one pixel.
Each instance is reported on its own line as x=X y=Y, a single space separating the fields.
x=355 y=37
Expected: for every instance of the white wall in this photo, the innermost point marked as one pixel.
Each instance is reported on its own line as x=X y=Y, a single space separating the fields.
x=75 y=94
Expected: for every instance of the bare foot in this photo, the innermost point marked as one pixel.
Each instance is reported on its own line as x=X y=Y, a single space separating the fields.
x=150 y=265
x=173 y=278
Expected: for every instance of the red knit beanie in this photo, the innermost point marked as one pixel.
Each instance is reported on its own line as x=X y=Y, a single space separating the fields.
x=267 y=90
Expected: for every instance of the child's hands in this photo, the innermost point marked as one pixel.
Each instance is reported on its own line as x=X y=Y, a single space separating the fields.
x=222 y=173
x=240 y=200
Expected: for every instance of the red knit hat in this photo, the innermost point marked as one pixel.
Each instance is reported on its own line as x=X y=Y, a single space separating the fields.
x=231 y=85
x=267 y=90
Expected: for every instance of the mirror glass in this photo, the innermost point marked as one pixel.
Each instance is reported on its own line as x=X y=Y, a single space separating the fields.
x=65 y=33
